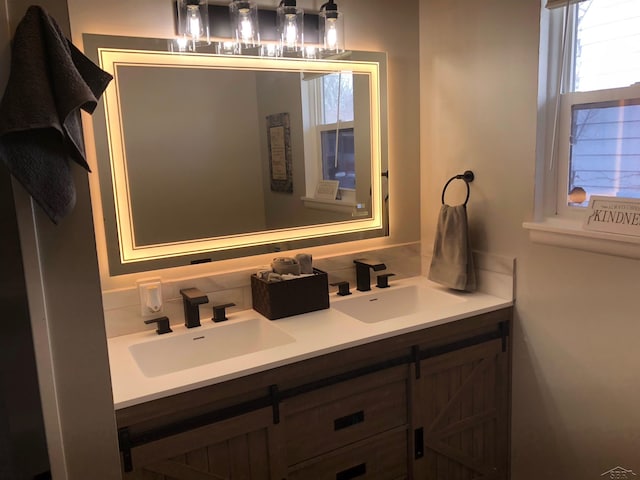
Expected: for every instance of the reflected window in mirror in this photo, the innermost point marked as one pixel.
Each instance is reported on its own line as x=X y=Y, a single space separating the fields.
x=338 y=157
x=337 y=103
x=328 y=104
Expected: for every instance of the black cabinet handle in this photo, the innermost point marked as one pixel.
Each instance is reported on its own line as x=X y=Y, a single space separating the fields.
x=348 y=420
x=352 y=472
x=418 y=442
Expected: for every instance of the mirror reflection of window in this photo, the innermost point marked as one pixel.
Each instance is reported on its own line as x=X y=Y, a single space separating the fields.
x=337 y=103
x=336 y=123
x=338 y=161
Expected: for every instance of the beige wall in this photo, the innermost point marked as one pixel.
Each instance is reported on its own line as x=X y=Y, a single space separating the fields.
x=187 y=188
x=365 y=20
x=576 y=353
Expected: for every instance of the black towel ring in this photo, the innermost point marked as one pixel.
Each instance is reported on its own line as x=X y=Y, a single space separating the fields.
x=467 y=176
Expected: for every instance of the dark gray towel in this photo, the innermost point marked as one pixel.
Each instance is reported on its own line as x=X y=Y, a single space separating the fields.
x=40 y=127
x=452 y=261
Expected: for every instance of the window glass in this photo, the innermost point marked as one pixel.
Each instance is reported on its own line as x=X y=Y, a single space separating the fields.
x=337 y=103
x=607 y=44
x=605 y=151
x=604 y=145
x=338 y=162
x=341 y=167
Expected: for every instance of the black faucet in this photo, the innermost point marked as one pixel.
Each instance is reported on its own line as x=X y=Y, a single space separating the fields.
x=220 y=311
x=163 y=325
x=191 y=298
x=363 y=276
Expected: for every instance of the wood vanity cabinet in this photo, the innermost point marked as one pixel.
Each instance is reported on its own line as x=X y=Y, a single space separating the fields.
x=430 y=404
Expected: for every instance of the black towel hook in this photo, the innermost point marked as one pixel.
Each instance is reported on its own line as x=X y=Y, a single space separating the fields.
x=467 y=176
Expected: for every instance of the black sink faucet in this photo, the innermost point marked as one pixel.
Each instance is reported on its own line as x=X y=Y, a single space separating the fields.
x=191 y=298
x=363 y=276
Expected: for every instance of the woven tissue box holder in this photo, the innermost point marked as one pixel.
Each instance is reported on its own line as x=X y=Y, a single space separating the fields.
x=290 y=297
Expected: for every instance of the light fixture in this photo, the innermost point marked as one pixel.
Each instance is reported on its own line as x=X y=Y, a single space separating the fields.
x=244 y=23
x=290 y=27
x=240 y=27
x=227 y=48
x=331 y=28
x=193 y=21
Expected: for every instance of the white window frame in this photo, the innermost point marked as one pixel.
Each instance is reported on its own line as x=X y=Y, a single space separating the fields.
x=554 y=222
x=569 y=100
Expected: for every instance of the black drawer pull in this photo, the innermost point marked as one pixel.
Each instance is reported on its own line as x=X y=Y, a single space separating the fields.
x=348 y=420
x=418 y=441
x=352 y=472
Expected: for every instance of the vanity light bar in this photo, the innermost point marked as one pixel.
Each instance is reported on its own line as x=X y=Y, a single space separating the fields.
x=220 y=24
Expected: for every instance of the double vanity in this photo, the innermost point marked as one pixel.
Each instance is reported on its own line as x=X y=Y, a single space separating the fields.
x=410 y=381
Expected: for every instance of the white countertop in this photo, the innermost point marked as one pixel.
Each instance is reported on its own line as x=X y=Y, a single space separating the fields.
x=315 y=333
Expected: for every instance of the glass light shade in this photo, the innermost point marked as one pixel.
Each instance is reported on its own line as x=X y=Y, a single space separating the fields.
x=332 y=31
x=227 y=48
x=290 y=27
x=244 y=23
x=193 y=20
x=269 y=50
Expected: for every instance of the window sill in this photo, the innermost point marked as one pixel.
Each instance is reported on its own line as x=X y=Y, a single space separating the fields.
x=339 y=206
x=570 y=234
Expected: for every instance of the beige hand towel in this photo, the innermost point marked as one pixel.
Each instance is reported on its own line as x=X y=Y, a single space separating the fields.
x=452 y=261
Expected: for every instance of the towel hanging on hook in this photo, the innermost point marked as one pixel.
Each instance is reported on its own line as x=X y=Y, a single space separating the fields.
x=452 y=260
x=467 y=176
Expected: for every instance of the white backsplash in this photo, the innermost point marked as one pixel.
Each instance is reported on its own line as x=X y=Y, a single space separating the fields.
x=122 y=307
x=495 y=275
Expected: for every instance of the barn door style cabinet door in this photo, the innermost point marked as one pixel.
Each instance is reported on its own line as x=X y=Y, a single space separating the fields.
x=237 y=448
x=426 y=405
x=462 y=414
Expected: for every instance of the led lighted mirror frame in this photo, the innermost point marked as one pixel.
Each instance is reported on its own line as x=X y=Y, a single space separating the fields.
x=125 y=256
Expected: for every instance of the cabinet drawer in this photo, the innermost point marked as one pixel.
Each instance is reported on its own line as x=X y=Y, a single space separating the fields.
x=344 y=413
x=382 y=457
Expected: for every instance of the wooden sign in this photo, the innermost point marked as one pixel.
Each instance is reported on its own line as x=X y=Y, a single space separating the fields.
x=327 y=189
x=613 y=215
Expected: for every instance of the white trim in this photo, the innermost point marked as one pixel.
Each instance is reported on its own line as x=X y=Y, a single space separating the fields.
x=561 y=3
x=570 y=234
x=564 y=148
x=40 y=321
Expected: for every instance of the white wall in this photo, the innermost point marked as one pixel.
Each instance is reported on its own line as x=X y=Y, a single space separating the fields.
x=576 y=355
x=191 y=183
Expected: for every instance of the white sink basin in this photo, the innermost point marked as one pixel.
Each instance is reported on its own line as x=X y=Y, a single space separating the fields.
x=394 y=302
x=173 y=352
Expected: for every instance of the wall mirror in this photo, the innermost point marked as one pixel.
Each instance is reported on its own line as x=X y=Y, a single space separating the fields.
x=204 y=157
